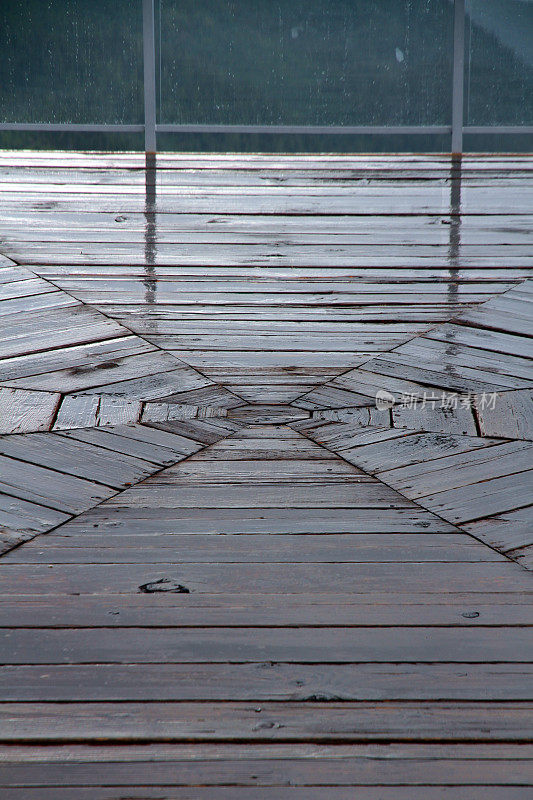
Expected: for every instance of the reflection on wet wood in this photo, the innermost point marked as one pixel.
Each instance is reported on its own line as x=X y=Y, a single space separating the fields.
x=255 y=580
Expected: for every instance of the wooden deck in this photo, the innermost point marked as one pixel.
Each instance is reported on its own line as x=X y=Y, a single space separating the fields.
x=227 y=572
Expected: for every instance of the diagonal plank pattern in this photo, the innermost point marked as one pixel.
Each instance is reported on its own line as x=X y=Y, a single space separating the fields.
x=469 y=459
x=47 y=478
x=26 y=411
x=271 y=275
x=255 y=580
x=50 y=342
x=483 y=351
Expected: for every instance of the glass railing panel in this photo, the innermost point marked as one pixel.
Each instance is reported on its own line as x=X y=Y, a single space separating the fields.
x=305 y=62
x=499 y=62
x=71 y=61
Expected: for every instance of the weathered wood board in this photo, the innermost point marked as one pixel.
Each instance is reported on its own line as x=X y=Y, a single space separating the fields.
x=229 y=571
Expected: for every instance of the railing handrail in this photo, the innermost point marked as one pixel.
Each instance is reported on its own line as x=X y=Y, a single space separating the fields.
x=151 y=127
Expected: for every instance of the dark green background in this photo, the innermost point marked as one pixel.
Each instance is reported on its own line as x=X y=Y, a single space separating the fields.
x=339 y=62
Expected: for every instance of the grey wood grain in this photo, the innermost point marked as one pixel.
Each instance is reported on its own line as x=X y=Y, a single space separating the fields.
x=500 y=792
x=22 y=411
x=266 y=767
x=263 y=682
x=311 y=609
x=75 y=457
x=266 y=578
x=185 y=722
x=173 y=549
x=511 y=417
x=326 y=602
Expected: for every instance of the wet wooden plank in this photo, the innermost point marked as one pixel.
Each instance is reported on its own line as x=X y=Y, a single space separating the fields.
x=138 y=441
x=22 y=411
x=428 y=766
x=91 y=411
x=23 y=288
x=36 y=332
x=221 y=645
x=509 y=532
x=287 y=290
x=277 y=793
x=265 y=578
x=493 y=496
x=170 y=412
x=439 y=419
x=454 y=360
x=391 y=270
x=511 y=417
x=463 y=469
x=264 y=278
x=77 y=458
x=18 y=514
x=381 y=199
x=313 y=609
x=415 y=231
x=35 y=484
x=354 y=493
x=81 y=367
x=289 y=722
x=266 y=682
x=94 y=548
x=408 y=519
x=164 y=378
x=377 y=450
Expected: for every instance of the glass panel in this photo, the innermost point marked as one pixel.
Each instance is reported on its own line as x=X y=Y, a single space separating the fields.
x=499 y=62
x=302 y=143
x=47 y=140
x=305 y=62
x=71 y=61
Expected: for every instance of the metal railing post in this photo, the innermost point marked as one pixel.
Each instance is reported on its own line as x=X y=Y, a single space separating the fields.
x=150 y=139
x=458 y=76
